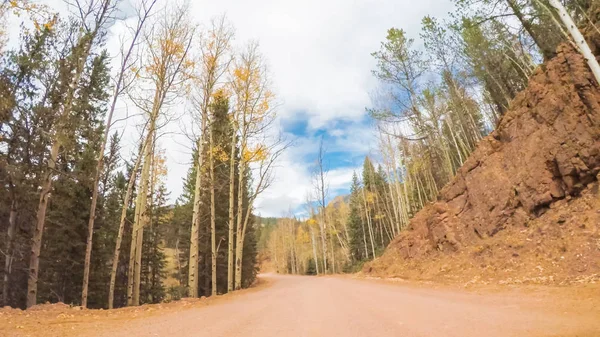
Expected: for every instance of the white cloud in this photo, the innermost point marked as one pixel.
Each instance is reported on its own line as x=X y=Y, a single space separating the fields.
x=292 y=185
x=319 y=50
x=319 y=56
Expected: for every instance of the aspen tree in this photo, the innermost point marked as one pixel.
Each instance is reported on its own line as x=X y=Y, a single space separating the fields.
x=120 y=86
x=117 y=252
x=311 y=223
x=321 y=188
x=254 y=114
x=263 y=156
x=215 y=60
x=169 y=68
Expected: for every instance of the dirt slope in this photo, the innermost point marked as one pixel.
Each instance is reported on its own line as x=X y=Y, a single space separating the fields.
x=334 y=306
x=524 y=206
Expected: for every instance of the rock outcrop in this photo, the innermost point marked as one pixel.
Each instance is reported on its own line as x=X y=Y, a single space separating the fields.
x=546 y=149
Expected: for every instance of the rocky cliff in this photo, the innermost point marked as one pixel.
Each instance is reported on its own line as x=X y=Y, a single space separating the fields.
x=525 y=205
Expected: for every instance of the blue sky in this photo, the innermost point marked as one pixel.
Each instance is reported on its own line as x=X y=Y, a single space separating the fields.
x=318 y=54
x=345 y=143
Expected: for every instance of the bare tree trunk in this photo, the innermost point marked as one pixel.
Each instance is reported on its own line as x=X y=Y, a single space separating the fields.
x=141 y=212
x=323 y=246
x=314 y=247
x=292 y=246
x=132 y=248
x=34 y=260
x=144 y=216
x=213 y=52
x=321 y=189
x=85 y=42
x=240 y=233
x=332 y=254
x=369 y=225
x=342 y=241
x=88 y=247
x=10 y=240
x=195 y=232
x=48 y=175
x=578 y=38
x=394 y=199
x=100 y=161
x=527 y=25
x=213 y=243
x=178 y=261
x=365 y=238
x=126 y=200
x=230 y=255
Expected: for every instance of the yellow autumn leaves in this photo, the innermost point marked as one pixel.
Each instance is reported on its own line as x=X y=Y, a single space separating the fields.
x=37 y=13
x=256 y=153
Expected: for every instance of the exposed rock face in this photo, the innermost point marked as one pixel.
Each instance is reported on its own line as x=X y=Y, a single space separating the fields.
x=546 y=148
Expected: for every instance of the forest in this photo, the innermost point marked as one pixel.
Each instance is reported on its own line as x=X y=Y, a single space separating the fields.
x=83 y=220
x=87 y=219
x=448 y=164
x=438 y=96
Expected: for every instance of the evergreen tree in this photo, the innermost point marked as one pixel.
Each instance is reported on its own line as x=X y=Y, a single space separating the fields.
x=222 y=132
x=356 y=225
x=61 y=265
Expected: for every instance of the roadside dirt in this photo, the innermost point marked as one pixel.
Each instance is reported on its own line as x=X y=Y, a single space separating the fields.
x=338 y=306
x=59 y=319
x=561 y=247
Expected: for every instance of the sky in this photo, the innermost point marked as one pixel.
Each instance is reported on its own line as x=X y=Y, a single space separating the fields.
x=318 y=53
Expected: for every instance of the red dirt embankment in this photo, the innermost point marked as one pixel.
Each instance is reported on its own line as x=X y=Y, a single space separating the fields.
x=524 y=208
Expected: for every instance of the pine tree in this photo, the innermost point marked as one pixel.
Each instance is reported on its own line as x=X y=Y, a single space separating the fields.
x=24 y=119
x=64 y=251
x=356 y=225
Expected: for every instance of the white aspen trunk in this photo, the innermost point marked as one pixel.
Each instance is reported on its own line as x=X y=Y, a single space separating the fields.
x=36 y=245
x=323 y=246
x=100 y=160
x=314 y=248
x=178 y=257
x=10 y=239
x=132 y=249
x=195 y=230
x=332 y=254
x=275 y=252
x=403 y=205
x=143 y=218
x=389 y=212
x=239 y=227
x=293 y=249
x=115 y=262
x=324 y=211
x=343 y=245
x=369 y=225
x=230 y=255
x=213 y=234
x=579 y=40
x=362 y=223
x=394 y=200
x=238 y=276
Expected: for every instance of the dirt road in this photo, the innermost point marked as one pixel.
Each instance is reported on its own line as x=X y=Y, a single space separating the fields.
x=332 y=306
